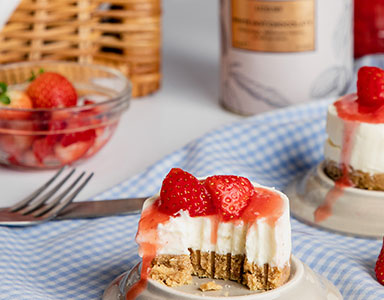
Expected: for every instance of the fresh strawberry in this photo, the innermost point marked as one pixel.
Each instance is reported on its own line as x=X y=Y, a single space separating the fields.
x=230 y=194
x=88 y=102
x=182 y=191
x=13 y=160
x=43 y=147
x=52 y=90
x=29 y=159
x=80 y=136
x=13 y=99
x=103 y=134
x=15 y=144
x=370 y=86
x=72 y=152
x=379 y=268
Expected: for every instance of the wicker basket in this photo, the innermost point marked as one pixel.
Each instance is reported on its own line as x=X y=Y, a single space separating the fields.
x=125 y=34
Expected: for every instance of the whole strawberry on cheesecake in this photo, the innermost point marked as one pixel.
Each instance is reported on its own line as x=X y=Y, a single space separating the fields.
x=355 y=127
x=222 y=227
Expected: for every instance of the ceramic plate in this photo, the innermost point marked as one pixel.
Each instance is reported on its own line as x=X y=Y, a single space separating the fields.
x=351 y=211
x=303 y=284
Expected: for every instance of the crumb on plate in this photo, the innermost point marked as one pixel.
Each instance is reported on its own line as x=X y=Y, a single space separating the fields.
x=210 y=286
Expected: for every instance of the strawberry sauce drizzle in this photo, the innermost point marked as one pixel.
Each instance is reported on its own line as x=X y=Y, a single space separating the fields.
x=151 y=217
x=324 y=211
x=264 y=204
x=349 y=109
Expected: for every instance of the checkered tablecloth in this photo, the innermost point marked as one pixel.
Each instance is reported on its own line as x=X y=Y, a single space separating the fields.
x=77 y=259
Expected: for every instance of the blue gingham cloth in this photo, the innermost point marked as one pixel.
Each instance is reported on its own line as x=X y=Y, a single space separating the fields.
x=78 y=259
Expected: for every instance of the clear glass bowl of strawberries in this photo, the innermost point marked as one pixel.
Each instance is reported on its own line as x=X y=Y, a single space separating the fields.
x=58 y=113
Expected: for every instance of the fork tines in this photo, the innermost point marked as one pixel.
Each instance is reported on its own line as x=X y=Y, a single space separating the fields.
x=42 y=203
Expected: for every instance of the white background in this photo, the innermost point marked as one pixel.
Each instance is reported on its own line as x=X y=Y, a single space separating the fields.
x=185 y=108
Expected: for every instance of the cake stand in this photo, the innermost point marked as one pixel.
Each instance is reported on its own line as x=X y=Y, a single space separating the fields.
x=303 y=284
x=352 y=211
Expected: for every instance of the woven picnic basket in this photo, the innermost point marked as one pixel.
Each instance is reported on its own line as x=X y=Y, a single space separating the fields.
x=124 y=34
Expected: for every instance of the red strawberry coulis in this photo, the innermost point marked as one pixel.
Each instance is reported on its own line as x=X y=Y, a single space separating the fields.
x=324 y=211
x=262 y=203
x=351 y=109
x=151 y=217
x=366 y=106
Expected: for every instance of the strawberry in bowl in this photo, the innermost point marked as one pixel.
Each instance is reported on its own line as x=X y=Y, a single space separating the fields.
x=65 y=114
x=52 y=90
x=13 y=99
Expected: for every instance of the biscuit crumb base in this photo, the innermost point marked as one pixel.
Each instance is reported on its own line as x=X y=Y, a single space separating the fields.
x=176 y=270
x=359 y=179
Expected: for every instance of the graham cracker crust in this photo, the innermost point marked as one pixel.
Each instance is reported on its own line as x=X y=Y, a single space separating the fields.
x=175 y=270
x=172 y=270
x=265 y=277
x=361 y=180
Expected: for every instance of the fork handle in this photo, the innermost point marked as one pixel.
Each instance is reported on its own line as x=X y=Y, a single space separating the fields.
x=102 y=208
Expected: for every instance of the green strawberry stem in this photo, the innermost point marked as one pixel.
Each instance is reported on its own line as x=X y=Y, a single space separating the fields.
x=3 y=93
x=33 y=75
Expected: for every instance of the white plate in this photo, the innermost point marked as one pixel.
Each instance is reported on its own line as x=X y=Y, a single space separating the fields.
x=303 y=284
x=355 y=212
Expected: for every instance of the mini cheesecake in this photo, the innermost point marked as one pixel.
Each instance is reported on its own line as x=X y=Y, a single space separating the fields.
x=355 y=127
x=222 y=227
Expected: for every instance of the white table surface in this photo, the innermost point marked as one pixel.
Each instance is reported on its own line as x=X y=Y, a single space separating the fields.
x=185 y=108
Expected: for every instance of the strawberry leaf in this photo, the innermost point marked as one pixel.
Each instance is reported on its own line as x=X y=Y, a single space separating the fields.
x=3 y=87
x=5 y=99
x=33 y=75
x=3 y=93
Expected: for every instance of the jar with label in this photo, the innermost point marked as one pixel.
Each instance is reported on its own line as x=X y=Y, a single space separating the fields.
x=278 y=53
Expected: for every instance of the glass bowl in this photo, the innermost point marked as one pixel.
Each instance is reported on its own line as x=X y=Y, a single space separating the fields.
x=50 y=138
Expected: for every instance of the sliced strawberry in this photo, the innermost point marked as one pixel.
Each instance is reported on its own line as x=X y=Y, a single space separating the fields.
x=29 y=159
x=13 y=99
x=13 y=160
x=15 y=144
x=182 y=191
x=88 y=102
x=43 y=147
x=379 y=268
x=52 y=90
x=66 y=147
x=103 y=134
x=230 y=194
x=72 y=152
x=80 y=136
x=370 y=86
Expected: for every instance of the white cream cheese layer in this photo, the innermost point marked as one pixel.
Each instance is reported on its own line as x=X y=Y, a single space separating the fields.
x=260 y=242
x=367 y=146
x=269 y=244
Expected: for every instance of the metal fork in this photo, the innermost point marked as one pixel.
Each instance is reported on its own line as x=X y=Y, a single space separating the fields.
x=40 y=207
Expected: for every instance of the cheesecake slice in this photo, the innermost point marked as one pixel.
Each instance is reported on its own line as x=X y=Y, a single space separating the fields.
x=221 y=227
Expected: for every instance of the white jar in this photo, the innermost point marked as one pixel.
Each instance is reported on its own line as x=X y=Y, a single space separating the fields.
x=278 y=53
